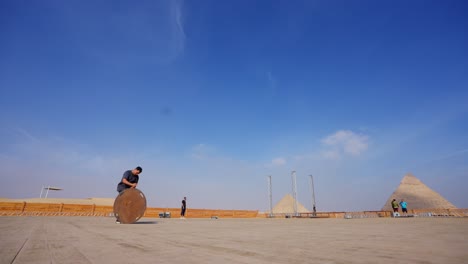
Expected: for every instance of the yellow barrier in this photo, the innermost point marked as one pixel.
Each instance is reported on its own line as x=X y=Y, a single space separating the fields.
x=51 y=209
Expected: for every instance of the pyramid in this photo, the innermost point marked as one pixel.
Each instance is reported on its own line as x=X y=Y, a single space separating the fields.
x=286 y=206
x=417 y=195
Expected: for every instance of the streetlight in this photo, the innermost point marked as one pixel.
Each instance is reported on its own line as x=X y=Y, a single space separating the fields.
x=48 y=188
x=313 y=194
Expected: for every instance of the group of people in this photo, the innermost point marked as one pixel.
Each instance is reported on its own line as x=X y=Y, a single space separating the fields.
x=396 y=206
x=130 y=179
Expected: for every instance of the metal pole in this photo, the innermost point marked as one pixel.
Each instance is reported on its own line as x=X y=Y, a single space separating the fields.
x=313 y=194
x=47 y=193
x=270 y=196
x=294 y=191
x=42 y=189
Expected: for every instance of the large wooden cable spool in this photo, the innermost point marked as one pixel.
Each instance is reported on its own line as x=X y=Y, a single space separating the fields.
x=129 y=206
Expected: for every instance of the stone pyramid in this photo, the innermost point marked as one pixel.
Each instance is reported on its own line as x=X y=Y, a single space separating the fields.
x=286 y=206
x=417 y=195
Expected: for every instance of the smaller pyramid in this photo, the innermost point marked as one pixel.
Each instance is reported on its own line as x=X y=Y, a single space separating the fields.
x=286 y=206
x=417 y=195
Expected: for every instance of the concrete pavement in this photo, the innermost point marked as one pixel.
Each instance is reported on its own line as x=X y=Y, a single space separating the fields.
x=100 y=240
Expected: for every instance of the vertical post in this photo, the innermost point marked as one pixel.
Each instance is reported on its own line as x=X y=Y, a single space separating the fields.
x=314 y=210
x=47 y=193
x=294 y=191
x=270 y=195
x=42 y=189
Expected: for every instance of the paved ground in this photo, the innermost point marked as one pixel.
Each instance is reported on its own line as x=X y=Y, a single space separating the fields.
x=100 y=240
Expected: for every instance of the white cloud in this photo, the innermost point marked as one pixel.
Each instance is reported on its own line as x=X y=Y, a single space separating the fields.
x=278 y=161
x=345 y=142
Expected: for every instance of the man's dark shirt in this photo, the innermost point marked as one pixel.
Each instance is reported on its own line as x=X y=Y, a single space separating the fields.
x=183 y=204
x=130 y=177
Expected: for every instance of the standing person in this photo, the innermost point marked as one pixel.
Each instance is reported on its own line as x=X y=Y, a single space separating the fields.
x=404 y=205
x=129 y=180
x=183 y=208
x=395 y=206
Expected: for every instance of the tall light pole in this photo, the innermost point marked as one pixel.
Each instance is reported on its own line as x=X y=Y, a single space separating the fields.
x=270 y=195
x=294 y=191
x=313 y=194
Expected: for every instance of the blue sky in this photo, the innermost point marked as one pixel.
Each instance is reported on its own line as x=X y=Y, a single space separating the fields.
x=213 y=96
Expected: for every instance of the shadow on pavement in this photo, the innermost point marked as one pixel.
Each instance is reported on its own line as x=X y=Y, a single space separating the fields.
x=145 y=222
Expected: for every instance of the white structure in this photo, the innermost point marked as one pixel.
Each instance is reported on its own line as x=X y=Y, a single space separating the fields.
x=270 y=195
x=47 y=192
x=294 y=191
x=314 y=210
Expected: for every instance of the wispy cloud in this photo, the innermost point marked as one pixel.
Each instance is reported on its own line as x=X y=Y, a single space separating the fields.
x=345 y=142
x=331 y=154
x=177 y=25
x=201 y=151
x=278 y=162
x=271 y=79
x=36 y=161
x=451 y=155
x=152 y=30
x=25 y=134
x=272 y=84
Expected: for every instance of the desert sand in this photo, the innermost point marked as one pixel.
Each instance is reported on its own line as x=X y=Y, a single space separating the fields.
x=100 y=240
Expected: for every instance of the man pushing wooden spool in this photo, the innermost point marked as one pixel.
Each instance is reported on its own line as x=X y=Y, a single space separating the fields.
x=130 y=204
